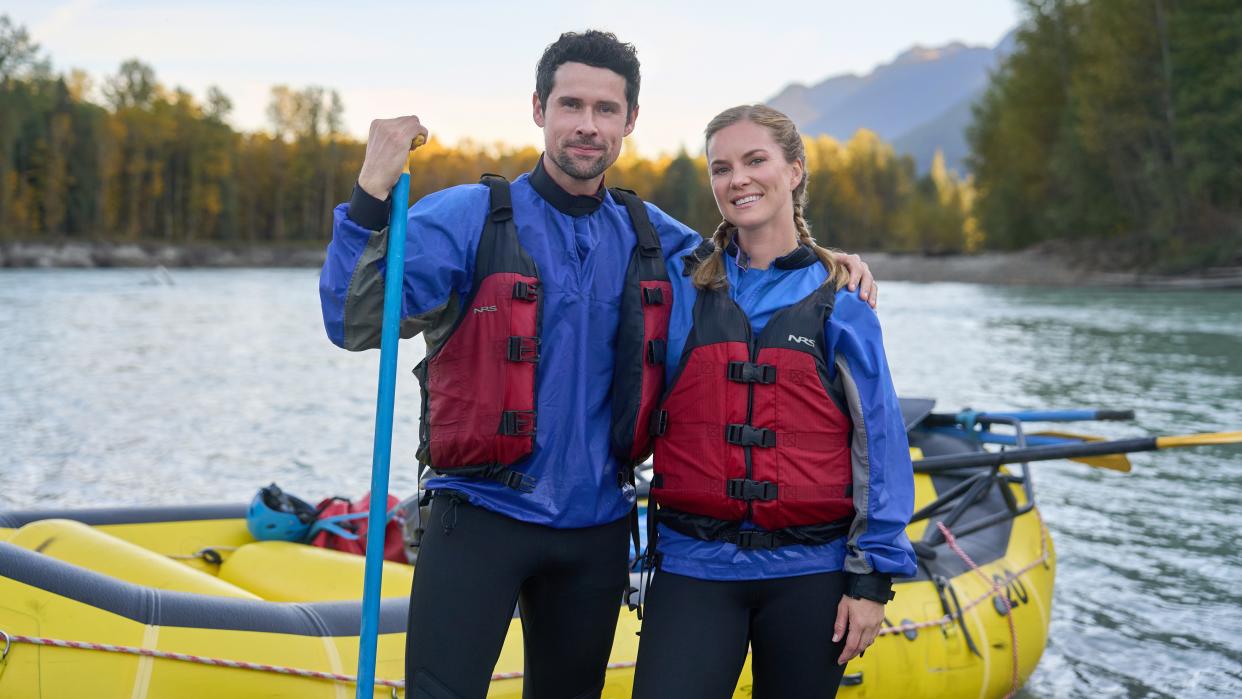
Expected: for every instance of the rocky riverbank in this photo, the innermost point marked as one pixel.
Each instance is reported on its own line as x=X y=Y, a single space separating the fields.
x=102 y=254
x=1037 y=267
x=1034 y=267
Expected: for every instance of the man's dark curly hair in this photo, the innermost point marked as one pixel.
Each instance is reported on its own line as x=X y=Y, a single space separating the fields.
x=593 y=48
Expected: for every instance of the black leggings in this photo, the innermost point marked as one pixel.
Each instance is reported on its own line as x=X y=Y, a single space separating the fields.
x=474 y=565
x=695 y=634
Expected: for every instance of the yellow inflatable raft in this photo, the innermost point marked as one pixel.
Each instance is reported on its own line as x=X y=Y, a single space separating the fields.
x=181 y=602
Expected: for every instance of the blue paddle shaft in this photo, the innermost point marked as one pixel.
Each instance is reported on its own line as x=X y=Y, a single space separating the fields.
x=1034 y=440
x=377 y=518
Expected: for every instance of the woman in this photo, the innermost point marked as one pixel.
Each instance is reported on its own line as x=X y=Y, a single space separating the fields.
x=782 y=471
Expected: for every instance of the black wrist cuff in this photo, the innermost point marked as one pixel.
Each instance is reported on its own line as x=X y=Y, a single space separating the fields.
x=367 y=211
x=877 y=587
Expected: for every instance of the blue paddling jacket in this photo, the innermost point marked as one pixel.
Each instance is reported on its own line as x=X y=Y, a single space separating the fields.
x=580 y=245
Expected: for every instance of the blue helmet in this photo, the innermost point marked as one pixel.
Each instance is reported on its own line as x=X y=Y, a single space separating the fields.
x=275 y=515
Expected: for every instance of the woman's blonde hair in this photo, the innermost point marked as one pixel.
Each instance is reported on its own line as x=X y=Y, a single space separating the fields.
x=710 y=274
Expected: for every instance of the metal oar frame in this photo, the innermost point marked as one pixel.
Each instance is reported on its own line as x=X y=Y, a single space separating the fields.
x=971 y=490
x=957 y=500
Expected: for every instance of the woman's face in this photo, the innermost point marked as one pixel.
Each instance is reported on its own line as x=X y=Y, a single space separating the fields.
x=751 y=181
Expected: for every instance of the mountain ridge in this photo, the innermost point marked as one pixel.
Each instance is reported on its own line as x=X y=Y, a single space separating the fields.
x=919 y=101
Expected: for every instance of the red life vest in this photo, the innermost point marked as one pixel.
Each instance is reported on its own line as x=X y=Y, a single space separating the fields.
x=642 y=339
x=752 y=428
x=478 y=385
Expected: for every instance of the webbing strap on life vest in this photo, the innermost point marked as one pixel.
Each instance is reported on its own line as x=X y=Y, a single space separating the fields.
x=500 y=203
x=648 y=239
x=633 y=598
x=507 y=476
x=650 y=558
x=496 y=472
x=697 y=257
x=642 y=344
x=708 y=529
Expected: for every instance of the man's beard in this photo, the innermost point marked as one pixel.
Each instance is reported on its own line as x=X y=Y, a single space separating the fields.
x=576 y=168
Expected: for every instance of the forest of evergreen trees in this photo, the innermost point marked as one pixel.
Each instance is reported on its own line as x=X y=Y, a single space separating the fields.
x=1117 y=121
x=1114 y=121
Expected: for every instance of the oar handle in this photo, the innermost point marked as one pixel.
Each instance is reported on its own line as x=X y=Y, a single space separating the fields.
x=968 y=418
x=1119 y=415
x=409 y=169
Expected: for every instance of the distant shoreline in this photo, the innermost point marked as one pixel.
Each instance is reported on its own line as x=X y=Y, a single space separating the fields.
x=1037 y=267
x=1031 y=267
x=99 y=254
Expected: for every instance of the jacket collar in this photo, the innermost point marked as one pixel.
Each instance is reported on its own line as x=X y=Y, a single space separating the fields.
x=801 y=256
x=566 y=203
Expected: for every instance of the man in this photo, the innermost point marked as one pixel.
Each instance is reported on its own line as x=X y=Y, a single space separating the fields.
x=531 y=511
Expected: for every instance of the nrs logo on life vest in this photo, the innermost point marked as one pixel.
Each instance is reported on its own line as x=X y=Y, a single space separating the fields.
x=485 y=309
x=802 y=340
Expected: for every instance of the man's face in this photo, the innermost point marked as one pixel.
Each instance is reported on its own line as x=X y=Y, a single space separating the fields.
x=585 y=119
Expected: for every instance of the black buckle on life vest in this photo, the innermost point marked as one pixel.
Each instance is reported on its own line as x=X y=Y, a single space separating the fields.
x=517 y=423
x=523 y=348
x=655 y=351
x=659 y=423
x=748 y=436
x=750 y=372
x=525 y=292
x=754 y=539
x=746 y=489
x=653 y=296
x=514 y=479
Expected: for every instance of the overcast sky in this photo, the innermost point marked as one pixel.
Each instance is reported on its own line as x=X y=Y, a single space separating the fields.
x=467 y=68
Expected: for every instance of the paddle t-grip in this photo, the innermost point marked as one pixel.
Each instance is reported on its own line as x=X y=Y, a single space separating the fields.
x=414 y=144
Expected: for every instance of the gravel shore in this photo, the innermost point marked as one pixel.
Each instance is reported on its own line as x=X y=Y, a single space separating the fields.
x=1034 y=267
x=102 y=254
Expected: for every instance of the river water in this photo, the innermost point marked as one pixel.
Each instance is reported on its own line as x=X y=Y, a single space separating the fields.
x=128 y=387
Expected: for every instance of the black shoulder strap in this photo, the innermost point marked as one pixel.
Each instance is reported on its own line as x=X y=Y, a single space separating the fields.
x=648 y=239
x=826 y=297
x=499 y=249
x=500 y=203
x=698 y=256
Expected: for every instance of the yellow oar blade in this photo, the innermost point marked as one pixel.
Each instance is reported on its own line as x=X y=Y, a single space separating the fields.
x=1199 y=440
x=1069 y=435
x=1112 y=462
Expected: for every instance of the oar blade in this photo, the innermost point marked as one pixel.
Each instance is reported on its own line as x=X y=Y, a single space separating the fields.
x=1112 y=462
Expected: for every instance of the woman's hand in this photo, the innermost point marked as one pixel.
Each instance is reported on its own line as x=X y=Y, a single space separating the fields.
x=860 y=277
x=858 y=621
